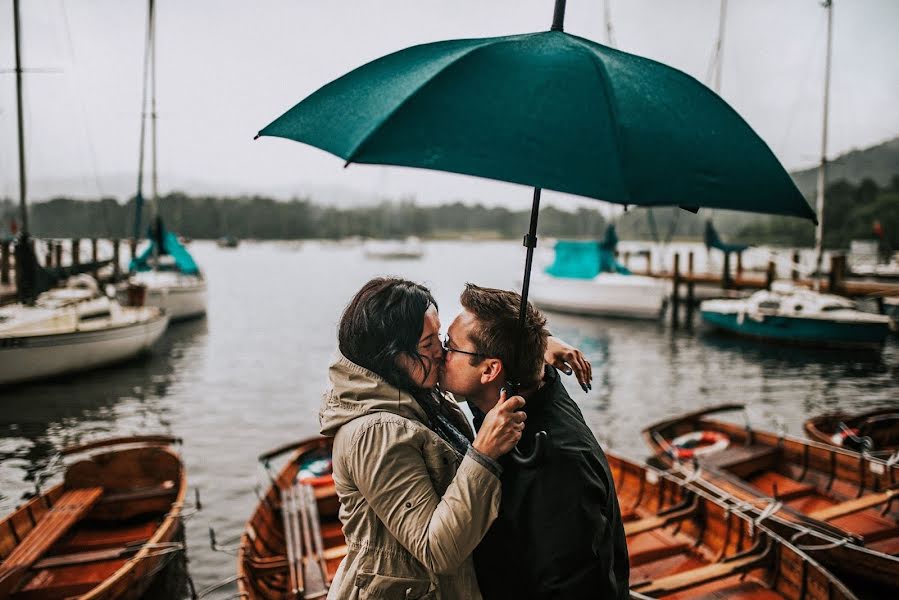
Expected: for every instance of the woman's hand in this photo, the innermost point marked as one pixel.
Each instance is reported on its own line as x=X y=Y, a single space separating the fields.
x=501 y=428
x=569 y=359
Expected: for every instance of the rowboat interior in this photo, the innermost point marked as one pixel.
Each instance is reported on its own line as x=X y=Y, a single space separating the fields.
x=302 y=502
x=684 y=543
x=876 y=432
x=112 y=524
x=816 y=483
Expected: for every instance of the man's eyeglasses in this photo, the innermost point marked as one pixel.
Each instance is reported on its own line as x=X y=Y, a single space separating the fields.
x=445 y=343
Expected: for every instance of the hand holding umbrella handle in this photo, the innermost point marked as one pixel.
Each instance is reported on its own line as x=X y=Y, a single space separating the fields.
x=536 y=456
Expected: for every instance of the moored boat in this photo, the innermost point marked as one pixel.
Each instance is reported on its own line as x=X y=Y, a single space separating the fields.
x=72 y=329
x=105 y=531
x=410 y=248
x=791 y=315
x=807 y=484
x=302 y=502
x=875 y=431
x=684 y=542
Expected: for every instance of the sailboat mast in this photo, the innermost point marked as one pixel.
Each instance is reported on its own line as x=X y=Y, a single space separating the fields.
x=822 y=169
x=607 y=16
x=23 y=188
x=719 y=48
x=155 y=177
x=143 y=126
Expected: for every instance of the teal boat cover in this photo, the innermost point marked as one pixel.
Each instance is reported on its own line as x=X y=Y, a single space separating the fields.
x=170 y=245
x=713 y=240
x=587 y=259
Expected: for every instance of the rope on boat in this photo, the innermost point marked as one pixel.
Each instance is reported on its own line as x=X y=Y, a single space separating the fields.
x=815 y=547
x=220 y=584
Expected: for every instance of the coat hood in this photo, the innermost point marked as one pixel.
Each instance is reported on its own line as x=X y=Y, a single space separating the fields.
x=355 y=392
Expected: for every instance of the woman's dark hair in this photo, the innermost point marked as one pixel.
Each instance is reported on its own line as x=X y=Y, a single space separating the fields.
x=383 y=322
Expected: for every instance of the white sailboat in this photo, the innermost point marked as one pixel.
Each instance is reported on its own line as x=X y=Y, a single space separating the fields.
x=51 y=332
x=165 y=269
x=789 y=314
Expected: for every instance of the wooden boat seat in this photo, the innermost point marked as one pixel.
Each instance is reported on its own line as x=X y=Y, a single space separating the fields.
x=780 y=486
x=88 y=556
x=680 y=581
x=852 y=506
x=632 y=528
x=743 y=461
x=71 y=507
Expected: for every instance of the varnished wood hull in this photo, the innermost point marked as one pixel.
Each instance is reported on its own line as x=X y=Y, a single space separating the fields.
x=847 y=497
x=114 y=550
x=881 y=426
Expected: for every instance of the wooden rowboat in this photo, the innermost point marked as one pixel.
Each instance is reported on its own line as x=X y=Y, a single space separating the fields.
x=301 y=501
x=849 y=496
x=684 y=542
x=876 y=431
x=105 y=531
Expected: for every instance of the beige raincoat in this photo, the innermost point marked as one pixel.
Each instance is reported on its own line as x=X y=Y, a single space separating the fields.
x=412 y=508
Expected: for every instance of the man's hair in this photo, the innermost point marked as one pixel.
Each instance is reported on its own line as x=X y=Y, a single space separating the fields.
x=497 y=333
x=383 y=322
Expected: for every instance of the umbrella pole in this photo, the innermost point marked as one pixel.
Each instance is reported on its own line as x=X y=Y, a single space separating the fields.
x=530 y=242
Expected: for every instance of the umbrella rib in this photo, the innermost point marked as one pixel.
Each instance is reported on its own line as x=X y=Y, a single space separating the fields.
x=355 y=151
x=613 y=116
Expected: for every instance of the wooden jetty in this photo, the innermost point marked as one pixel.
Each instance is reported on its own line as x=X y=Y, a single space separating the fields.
x=61 y=253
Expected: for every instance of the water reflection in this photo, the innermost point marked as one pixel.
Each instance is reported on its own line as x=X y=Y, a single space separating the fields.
x=37 y=420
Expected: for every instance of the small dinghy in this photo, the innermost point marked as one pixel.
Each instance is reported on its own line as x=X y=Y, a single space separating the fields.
x=792 y=315
x=684 y=542
x=72 y=329
x=292 y=545
x=105 y=531
x=851 y=496
x=875 y=432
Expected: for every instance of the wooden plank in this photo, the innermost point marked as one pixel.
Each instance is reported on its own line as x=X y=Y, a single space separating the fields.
x=67 y=511
x=83 y=558
x=694 y=577
x=853 y=506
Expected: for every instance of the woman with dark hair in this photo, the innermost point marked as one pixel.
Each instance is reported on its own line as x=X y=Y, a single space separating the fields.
x=417 y=489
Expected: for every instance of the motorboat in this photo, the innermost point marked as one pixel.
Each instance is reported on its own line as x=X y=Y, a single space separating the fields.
x=70 y=329
x=875 y=432
x=585 y=279
x=410 y=248
x=794 y=315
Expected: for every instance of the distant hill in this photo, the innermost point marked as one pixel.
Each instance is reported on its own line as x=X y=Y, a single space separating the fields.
x=880 y=163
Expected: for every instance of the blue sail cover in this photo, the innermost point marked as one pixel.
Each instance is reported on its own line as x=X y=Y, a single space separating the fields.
x=584 y=260
x=713 y=240
x=184 y=262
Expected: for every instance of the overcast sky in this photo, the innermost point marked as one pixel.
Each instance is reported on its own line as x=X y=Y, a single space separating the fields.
x=226 y=68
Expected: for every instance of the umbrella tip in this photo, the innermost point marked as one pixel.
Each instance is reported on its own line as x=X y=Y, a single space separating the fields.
x=256 y=137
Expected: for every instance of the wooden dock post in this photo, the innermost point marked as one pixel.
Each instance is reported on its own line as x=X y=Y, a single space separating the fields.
x=627 y=258
x=691 y=297
x=837 y=274
x=770 y=274
x=132 y=245
x=739 y=265
x=675 y=292
x=95 y=257
x=725 y=275
x=649 y=263
x=48 y=257
x=76 y=252
x=116 y=268
x=57 y=253
x=794 y=273
x=4 y=262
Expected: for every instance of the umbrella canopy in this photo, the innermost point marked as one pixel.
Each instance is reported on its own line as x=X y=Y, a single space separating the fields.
x=548 y=110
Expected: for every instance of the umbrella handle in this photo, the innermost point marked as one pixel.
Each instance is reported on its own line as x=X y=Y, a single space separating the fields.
x=536 y=456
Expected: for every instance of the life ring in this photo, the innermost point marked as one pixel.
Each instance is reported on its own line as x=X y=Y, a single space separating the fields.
x=698 y=443
x=845 y=433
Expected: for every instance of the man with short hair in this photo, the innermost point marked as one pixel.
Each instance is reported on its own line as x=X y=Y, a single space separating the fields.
x=559 y=532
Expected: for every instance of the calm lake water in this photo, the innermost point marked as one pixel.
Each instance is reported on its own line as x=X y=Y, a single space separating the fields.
x=249 y=377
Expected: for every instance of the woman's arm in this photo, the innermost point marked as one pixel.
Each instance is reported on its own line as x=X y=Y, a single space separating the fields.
x=569 y=359
x=388 y=467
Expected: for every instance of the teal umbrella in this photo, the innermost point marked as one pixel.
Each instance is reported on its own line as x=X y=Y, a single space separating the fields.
x=548 y=110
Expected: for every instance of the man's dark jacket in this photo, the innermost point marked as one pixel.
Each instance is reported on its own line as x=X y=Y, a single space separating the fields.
x=559 y=532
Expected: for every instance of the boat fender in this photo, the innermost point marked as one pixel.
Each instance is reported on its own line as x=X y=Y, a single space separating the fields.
x=699 y=443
